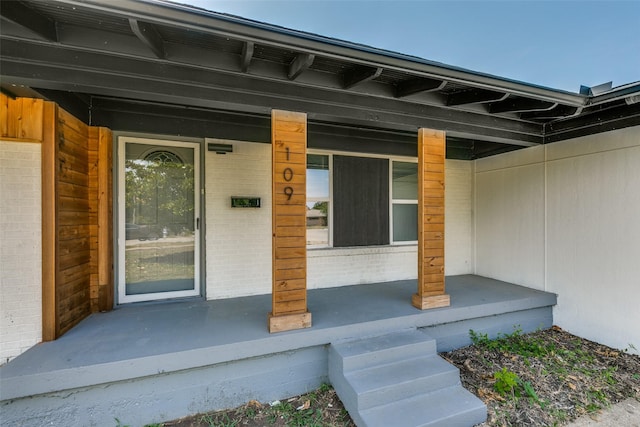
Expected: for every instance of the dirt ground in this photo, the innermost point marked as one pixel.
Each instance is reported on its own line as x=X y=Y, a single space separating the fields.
x=542 y=379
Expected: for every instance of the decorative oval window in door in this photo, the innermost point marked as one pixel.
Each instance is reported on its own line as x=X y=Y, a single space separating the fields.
x=163 y=156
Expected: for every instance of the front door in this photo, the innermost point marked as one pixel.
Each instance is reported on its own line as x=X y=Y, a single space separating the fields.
x=159 y=219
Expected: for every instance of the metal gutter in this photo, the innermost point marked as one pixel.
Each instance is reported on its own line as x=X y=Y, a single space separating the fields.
x=173 y=14
x=621 y=92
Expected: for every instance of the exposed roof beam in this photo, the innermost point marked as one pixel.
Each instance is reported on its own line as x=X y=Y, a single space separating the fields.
x=554 y=113
x=475 y=96
x=321 y=108
x=359 y=75
x=148 y=34
x=186 y=17
x=418 y=85
x=75 y=103
x=28 y=18
x=593 y=122
x=300 y=64
x=518 y=105
x=247 y=54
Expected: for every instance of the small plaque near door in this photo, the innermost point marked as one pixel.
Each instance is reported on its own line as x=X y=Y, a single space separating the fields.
x=245 y=202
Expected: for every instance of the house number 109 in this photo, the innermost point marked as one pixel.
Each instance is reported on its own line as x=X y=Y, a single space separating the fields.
x=287 y=174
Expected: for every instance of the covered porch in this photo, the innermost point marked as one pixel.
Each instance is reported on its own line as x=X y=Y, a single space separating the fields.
x=153 y=362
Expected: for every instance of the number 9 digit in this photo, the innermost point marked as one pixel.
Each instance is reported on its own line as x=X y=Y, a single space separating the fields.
x=288 y=191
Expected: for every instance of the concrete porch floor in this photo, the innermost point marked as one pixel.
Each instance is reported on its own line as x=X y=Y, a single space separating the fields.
x=143 y=340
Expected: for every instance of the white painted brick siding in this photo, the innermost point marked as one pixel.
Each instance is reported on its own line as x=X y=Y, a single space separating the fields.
x=349 y=266
x=458 y=219
x=238 y=240
x=20 y=248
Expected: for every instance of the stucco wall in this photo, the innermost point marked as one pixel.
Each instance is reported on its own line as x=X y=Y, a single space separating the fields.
x=564 y=218
x=238 y=240
x=20 y=248
x=509 y=217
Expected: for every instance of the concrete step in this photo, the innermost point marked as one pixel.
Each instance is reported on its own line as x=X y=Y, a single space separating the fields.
x=401 y=379
x=449 y=407
x=398 y=379
x=353 y=355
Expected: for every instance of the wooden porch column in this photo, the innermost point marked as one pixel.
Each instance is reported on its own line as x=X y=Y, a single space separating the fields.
x=431 y=155
x=289 y=168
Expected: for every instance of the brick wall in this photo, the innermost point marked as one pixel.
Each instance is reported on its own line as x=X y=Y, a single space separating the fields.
x=349 y=266
x=20 y=248
x=458 y=220
x=238 y=240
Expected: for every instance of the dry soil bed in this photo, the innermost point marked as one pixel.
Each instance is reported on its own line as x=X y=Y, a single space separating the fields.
x=546 y=378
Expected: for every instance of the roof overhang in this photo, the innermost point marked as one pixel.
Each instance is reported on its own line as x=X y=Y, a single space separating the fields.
x=102 y=59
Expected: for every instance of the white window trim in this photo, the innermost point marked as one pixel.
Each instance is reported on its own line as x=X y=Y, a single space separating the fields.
x=393 y=201
x=391 y=159
x=325 y=199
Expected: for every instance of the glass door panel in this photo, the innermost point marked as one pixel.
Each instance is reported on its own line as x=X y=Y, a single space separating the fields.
x=159 y=225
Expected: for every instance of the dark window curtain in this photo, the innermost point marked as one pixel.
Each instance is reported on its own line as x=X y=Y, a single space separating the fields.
x=361 y=201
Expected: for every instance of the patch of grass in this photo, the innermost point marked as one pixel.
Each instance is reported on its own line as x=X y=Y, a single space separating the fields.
x=551 y=376
x=514 y=342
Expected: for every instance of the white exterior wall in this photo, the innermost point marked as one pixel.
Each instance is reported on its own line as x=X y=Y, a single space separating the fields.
x=20 y=248
x=458 y=217
x=238 y=240
x=584 y=196
x=509 y=217
x=359 y=265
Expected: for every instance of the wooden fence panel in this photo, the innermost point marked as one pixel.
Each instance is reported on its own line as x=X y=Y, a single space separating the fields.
x=72 y=212
x=77 y=240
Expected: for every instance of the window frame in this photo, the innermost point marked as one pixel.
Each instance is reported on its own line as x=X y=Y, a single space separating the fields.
x=328 y=199
x=392 y=201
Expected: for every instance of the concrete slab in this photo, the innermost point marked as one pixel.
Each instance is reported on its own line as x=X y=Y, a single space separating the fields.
x=219 y=354
x=625 y=413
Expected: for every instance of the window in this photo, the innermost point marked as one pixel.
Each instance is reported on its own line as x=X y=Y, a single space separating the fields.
x=318 y=199
x=361 y=201
x=405 y=201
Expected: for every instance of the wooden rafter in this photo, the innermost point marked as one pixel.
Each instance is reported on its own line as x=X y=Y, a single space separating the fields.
x=418 y=85
x=557 y=112
x=475 y=96
x=247 y=55
x=360 y=75
x=28 y=18
x=517 y=105
x=148 y=34
x=302 y=62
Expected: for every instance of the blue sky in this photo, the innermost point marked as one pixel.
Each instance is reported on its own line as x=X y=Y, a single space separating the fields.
x=559 y=44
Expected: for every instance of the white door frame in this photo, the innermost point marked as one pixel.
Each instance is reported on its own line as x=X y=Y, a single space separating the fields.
x=123 y=298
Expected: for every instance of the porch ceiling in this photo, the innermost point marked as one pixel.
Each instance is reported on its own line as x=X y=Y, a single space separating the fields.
x=148 y=54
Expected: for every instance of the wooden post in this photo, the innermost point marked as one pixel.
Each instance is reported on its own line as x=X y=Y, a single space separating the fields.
x=49 y=244
x=289 y=167
x=431 y=155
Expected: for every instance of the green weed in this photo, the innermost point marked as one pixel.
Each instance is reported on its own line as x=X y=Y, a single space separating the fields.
x=514 y=342
x=506 y=381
